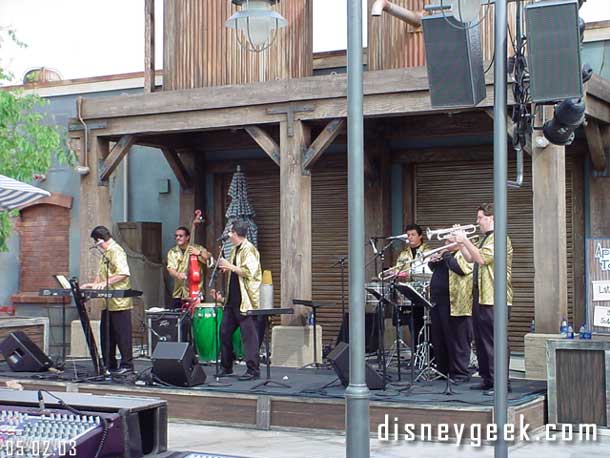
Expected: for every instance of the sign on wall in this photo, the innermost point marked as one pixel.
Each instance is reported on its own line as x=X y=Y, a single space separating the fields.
x=598 y=284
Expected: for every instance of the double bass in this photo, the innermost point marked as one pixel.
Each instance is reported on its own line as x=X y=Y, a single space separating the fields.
x=194 y=273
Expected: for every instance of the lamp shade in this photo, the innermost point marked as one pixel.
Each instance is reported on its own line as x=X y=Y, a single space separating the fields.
x=257 y=22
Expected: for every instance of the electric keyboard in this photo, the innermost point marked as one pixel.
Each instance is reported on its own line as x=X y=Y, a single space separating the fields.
x=92 y=293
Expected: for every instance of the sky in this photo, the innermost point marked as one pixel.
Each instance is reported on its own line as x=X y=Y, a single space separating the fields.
x=83 y=38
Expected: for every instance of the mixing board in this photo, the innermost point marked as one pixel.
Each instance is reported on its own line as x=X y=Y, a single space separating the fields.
x=52 y=425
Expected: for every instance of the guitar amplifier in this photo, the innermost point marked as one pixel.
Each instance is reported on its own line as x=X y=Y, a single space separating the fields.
x=167 y=326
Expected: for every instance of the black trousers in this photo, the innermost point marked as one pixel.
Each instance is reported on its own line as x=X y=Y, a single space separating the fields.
x=483 y=321
x=231 y=319
x=418 y=323
x=119 y=334
x=450 y=341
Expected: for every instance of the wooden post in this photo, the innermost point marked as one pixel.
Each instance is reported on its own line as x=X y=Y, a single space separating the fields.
x=550 y=247
x=295 y=220
x=149 y=46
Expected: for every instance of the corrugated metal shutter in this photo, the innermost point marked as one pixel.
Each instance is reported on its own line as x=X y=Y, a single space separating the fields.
x=329 y=240
x=449 y=193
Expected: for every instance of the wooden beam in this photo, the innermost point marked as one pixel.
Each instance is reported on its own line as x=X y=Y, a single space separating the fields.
x=597 y=108
x=322 y=141
x=380 y=105
x=314 y=88
x=550 y=249
x=121 y=148
x=149 y=46
x=596 y=144
x=177 y=167
x=295 y=222
x=266 y=143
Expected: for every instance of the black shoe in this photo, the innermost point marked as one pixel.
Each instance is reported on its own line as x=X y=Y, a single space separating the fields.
x=122 y=371
x=492 y=392
x=248 y=376
x=459 y=379
x=483 y=386
x=224 y=372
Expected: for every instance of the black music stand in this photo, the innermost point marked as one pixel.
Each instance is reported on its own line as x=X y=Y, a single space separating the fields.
x=314 y=307
x=267 y=314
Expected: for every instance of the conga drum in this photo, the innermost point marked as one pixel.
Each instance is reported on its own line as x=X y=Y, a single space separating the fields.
x=206 y=338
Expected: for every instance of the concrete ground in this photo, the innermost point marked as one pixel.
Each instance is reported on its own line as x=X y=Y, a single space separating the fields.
x=250 y=443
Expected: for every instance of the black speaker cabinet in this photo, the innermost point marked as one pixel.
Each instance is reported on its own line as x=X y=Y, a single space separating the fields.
x=578 y=379
x=454 y=61
x=339 y=358
x=176 y=363
x=166 y=326
x=23 y=355
x=553 y=44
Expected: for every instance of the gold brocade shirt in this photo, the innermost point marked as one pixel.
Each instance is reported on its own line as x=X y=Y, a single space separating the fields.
x=178 y=261
x=248 y=260
x=114 y=262
x=407 y=255
x=460 y=287
x=486 y=271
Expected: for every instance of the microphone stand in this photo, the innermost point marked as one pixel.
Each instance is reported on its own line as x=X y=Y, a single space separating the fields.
x=341 y=262
x=381 y=311
x=217 y=307
x=106 y=349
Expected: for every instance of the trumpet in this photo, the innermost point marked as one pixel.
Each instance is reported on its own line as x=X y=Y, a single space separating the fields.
x=419 y=260
x=443 y=234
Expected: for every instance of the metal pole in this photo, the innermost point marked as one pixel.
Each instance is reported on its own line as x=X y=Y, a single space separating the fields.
x=500 y=176
x=357 y=393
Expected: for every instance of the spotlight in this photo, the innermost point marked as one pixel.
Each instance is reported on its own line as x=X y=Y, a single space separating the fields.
x=568 y=115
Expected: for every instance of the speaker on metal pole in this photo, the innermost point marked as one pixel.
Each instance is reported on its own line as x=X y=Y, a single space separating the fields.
x=176 y=363
x=339 y=358
x=553 y=43
x=23 y=355
x=454 y=61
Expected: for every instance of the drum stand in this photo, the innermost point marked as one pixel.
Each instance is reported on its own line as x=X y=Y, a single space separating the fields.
x=217 y=382
x=423 y=359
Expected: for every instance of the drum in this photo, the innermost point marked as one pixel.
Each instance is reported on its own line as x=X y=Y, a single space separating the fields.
x=205 y=337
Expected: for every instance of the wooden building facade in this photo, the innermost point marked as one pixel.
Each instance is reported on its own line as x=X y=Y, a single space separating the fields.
x=220 y=108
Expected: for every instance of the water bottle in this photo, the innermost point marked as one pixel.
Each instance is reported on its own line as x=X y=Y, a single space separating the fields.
x=587 y=333
x=581 y=332
x=533 y=326
x=563 y=329
x=310 y=319
x=570 y=332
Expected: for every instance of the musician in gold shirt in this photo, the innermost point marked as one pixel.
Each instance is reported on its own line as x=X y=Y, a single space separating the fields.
x=415 y=246
x=482 y=255
x=115 y=322
x=178 y=265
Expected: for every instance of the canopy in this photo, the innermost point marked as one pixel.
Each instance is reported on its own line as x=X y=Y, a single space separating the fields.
x=15 y=194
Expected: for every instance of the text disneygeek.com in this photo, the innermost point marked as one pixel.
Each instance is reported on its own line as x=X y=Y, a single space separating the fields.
x=476 y=434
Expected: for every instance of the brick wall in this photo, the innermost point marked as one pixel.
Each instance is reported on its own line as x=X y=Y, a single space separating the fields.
x=44 y=231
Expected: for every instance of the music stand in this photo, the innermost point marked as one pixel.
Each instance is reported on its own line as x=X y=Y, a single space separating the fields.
x=267 y=314
x=417 y=299
x=314 y=307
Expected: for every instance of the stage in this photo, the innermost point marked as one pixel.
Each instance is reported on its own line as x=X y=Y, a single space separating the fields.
x=311 y=402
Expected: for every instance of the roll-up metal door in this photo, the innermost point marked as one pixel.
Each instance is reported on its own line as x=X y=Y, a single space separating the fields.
x=449 y=193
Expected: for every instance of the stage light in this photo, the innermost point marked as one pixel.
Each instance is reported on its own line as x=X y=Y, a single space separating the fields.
x=256 y=24
x=568 y=115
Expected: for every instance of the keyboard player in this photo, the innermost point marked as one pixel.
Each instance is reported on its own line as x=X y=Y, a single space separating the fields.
x=113 y=274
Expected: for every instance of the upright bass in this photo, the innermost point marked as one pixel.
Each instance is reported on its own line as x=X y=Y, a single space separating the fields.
x=194 y=273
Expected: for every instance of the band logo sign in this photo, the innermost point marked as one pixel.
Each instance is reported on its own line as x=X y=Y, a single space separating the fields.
x=602 y=255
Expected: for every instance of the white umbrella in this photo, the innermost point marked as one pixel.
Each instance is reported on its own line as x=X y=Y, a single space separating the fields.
x=15 y=194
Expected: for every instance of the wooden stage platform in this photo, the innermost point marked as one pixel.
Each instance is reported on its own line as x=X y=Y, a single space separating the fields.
x=306 y=404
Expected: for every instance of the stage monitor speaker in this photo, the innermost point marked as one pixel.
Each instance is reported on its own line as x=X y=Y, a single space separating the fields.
x=339 y=358
x=23 y=355
x=175 y=363
x=553 y=44
x=454 y=61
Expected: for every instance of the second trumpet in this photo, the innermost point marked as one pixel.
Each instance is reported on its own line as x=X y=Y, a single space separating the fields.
x=443 y=234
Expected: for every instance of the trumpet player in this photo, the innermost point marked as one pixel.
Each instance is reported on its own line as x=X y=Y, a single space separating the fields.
x=415 y=247
x=451 y=295
x=482 y=255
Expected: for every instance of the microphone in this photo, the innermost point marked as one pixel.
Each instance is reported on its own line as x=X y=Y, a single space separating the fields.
x=375 y=252
x=399 y=237
x=41 y=405
x=98 y=243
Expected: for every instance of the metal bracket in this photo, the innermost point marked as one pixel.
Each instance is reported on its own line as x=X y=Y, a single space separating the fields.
x=289 y=111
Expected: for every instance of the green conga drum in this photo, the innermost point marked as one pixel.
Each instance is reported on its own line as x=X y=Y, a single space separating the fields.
x=205 y=336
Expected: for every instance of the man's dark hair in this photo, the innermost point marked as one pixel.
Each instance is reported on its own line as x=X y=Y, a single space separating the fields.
x=487 y=209
x=101 y=232
x=186 y=231
x=240 y=227
x=414 y=227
